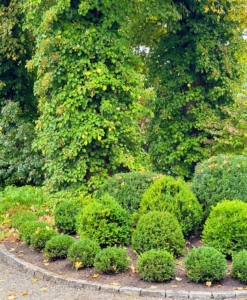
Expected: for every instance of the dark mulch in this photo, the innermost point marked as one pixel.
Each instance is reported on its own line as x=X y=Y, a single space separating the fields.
x=180 y=282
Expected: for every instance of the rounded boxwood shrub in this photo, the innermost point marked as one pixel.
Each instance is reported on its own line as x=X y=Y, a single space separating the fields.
x=29 y=227
x=42 y=235
x=57 y=246
x=156 y=265
x=239 y=266
x=173 y=195
x=226 y=227
x=220 y=177
x=23 y=217
x=104 y=221
x=65 y=216
x=205 y=264
x=158 y=230
x=127 y=188
x=82 y=253
x=112 y=260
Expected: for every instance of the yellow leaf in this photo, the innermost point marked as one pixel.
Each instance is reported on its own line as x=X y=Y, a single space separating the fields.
x=11 y=296
x=239 y=288
x=24 y=293
x=34 y=280
x=99 y=70
x=37 y=231
x=20 y=255
x=104 y=87
x=208 y=283
x=85 y=143
x=179 y=263
x=178 y=278
x=48 y=228
x=206 y=9
x=95 y=276
x=114 y=283
x=43 y=289
x=153 y=287
x=99 y=138
x=78 y=265
x=45 y=260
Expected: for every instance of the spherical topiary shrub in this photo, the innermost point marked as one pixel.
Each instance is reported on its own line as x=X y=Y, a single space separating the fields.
x=220 y=177
x=112 y=260
x=65 y=216
x=82 y=253
x=42 y=235
x=57 y=246
x=239 y=266
x=158 y=230
x=226 y=227
x=173 y=195
x=104 y=221
x=127 y=188
x=23 y=217
x=29 y=227
x=205 y=264
x=156 y=265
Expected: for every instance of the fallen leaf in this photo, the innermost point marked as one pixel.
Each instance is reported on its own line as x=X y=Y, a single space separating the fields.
x=208 y=283
x=45 y=260
x=95 y=276
x=218 y=286
x=46 y=264
x=239 y=288
x=20 y=255
x=34 y=280
x=43 y=289
x=133 y=269
x=2 y=280
x=8 y=272
x=153 y=287
x=24 y=293
x=11 y=296
x=174 y=286
x=178 y=278
x=245 y=288
x=12 y=249
x=114 y=283
x=78 y=265
x=179 y=263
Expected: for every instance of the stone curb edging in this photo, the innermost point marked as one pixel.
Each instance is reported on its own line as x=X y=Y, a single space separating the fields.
x=41 y=274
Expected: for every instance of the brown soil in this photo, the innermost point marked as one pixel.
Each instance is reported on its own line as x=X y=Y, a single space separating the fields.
x=130 y=278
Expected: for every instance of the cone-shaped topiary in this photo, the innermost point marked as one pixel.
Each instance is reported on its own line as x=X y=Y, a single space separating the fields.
x=173 y=195
x=226 y=227
x=158 y=230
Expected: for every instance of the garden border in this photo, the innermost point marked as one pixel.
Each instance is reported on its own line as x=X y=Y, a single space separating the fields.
x=41 y=274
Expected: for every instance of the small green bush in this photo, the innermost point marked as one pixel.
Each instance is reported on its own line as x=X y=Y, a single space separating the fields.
x=156 y=265
x=127 y=188
x=112 y=260
x=23 y=217
x=104 y=221
x=205 y=264
x=42 y=235
x=173 y=195
x=65 y=216
x=220 y=177
x=82 y=253
x=158 y=230
x=57 y=246
x=239 y=266
x=29 y=227
x=226 y=227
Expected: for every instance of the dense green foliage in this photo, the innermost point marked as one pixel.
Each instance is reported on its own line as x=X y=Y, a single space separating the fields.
x=112 y=260
x=41 y=236
x=104 y=221
x=156 y=265
x=158 y=230
x=82 y=253
x=205 y=264
x=58 y=246
x=173 y=195
x=127 y=188
x=239 y=266
x=29 y=227
x=65 y=216
x=220 y=177
x=226 y=227
x=23 y=217
x=196 y=66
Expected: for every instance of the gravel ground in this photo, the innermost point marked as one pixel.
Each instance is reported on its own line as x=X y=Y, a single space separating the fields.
x=17 y=285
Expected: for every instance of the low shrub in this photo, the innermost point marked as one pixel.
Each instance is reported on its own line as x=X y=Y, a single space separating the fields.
x=57 y=246
x=173 y=195
x=158 y=230
x=82 y=253
x=226 y=227
x=23 y=217
x=112 y=260
x=42 y=235
x=104 y=221
x=239 y=266
x=65 y=216
x=156 y=265
x=205 y=264
x=29 y=227
x=127 y=188
x=220 y=177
